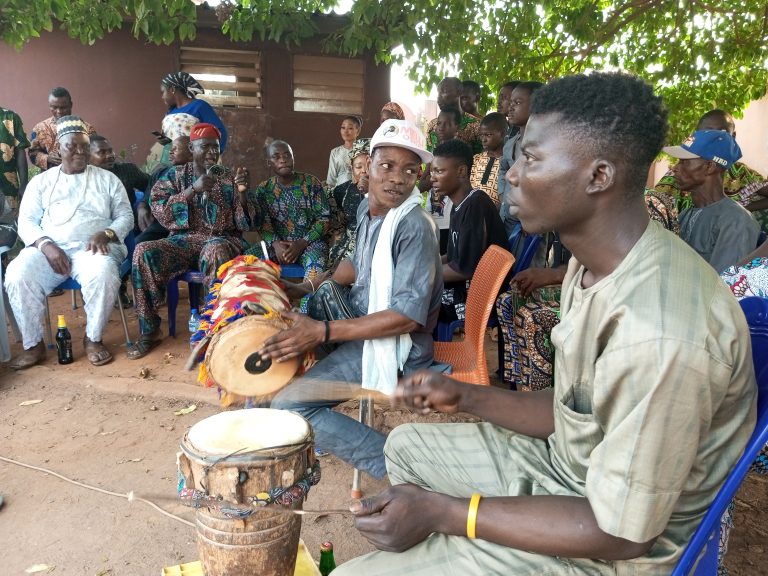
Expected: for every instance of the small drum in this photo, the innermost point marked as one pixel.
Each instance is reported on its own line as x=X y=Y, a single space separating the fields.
x=244 y=311
x=232 y=360
x=248 y=458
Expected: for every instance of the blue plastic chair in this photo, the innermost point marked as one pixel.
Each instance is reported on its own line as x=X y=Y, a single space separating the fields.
x=529 y=251
x=292 y=271
x=194 y=280
x=704 y=543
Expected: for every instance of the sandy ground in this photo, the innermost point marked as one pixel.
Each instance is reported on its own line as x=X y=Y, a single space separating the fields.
x=114 y=427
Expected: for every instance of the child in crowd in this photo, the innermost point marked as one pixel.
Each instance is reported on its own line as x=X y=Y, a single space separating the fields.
x=485 y=166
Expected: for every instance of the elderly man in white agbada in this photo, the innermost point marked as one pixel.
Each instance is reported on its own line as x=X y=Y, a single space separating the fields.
x=73 y=220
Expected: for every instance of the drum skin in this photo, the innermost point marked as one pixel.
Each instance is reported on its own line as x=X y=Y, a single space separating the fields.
x=265 y=543
x=233 y=363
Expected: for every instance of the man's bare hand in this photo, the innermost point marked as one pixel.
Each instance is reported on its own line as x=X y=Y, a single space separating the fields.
x=53 y=159
x=294 y=250
x=304 y=334
x=99 y=242
x=203 y=184
x=426 y=390
x=529 y=280
x=145 y=216
x=400 y=517
x=241 y=179
x=57 y=259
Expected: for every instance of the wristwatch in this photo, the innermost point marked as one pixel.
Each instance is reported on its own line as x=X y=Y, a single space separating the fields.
x=110 y=234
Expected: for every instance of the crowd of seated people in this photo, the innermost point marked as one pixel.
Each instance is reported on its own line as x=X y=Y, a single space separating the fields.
x=396 y=232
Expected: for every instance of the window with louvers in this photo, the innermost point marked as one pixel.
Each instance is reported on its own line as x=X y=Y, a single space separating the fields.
x=329 y=85
x=230 y=77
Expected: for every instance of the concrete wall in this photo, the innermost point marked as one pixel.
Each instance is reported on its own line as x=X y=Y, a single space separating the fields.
x=115 y=85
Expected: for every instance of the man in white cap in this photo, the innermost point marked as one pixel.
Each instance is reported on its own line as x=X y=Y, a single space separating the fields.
x=721 y=231
x=392 y=311
x=73 y=220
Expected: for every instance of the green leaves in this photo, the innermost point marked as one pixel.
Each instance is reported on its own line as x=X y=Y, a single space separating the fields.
x=698 y=55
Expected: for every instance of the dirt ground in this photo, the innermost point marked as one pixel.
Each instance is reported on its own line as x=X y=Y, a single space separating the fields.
x=115 y=428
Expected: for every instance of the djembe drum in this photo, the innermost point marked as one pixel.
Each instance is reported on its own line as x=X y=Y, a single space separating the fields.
x=243 y=311
x=245 y=471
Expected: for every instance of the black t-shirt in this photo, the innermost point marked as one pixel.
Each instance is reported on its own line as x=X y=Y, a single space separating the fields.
x=475 y=225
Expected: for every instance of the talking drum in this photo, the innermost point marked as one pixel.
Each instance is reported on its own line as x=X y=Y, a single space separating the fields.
x=245 y=470
x=242 y=312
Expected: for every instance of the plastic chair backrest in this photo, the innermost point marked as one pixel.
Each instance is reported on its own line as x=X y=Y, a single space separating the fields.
x=529 y=251
x=483 y=290
x=707 y=535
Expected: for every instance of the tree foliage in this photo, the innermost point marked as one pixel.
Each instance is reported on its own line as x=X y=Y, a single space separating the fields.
x=699 y=54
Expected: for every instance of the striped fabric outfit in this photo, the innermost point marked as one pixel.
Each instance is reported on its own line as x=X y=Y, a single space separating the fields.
x=619 y=397
x=205 y=231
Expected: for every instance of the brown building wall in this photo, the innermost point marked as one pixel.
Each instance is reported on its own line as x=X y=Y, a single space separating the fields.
x=115 y=86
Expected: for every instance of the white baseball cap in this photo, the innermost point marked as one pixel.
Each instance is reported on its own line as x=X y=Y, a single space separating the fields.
x=402 y=134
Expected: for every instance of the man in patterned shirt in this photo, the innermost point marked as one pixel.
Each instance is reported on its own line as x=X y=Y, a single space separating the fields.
x=449 y=92
x=44 y=151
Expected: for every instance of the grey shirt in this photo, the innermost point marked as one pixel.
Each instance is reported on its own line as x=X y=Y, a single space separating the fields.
x=417 y=281
x=722 y=233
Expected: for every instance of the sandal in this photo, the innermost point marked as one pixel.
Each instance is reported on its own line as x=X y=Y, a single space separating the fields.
x=97 y=353
x=142 y=348
x=29 y=358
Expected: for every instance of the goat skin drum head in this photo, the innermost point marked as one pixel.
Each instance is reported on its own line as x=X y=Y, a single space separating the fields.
x=247 y=430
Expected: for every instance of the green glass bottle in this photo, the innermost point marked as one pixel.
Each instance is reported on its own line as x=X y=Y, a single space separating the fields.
x=327 y=562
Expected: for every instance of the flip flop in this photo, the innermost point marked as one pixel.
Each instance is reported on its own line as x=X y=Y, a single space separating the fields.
x=98 y=355
x=142 y=348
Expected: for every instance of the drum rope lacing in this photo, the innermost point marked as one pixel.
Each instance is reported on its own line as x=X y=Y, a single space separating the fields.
x=283 y=496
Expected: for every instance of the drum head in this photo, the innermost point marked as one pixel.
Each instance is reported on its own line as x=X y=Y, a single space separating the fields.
x=238 y=432
x=234 y=364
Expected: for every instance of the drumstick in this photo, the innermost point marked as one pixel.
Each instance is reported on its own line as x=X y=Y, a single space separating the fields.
x=133 y=497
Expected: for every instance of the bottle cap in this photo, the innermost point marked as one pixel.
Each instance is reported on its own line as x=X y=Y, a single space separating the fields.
x=62 y=321
x=326 y=547
x=194 y=310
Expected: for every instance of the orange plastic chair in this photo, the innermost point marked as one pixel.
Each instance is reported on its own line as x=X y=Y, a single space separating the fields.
x=468 y=356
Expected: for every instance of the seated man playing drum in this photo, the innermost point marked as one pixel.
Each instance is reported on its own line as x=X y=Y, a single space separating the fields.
x=398 y=239
x=205 y=208
x=610 y=472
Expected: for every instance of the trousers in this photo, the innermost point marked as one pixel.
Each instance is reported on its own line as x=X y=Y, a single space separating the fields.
x=30 y=278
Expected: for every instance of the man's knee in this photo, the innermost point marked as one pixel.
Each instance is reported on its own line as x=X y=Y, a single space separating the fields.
x=399 y=439
x=22 y=268
x=102 y=270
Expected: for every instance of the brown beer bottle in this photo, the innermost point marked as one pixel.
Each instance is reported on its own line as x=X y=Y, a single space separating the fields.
x=327 y=563
x=64 y=342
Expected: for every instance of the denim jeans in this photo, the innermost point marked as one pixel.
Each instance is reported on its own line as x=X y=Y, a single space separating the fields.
x=333 y=380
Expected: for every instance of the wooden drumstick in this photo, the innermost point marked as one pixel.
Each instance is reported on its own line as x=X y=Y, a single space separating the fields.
x=133 y=497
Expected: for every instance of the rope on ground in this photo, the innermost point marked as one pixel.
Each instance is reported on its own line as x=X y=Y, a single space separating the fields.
x=130 y=496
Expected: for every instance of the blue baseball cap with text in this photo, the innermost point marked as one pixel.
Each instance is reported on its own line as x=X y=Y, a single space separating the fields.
x=715 y=145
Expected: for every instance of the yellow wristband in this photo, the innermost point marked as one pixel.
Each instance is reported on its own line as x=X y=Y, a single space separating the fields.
x=474 y=504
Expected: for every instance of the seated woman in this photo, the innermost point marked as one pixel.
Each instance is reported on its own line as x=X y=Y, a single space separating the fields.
x=206 y=218
x=391 y=111
x=339 y=169
x=344 y=201
x=179 y=91
x=293 y=214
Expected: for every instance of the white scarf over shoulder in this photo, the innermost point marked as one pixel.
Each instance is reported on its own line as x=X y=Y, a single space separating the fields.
x=382 y=357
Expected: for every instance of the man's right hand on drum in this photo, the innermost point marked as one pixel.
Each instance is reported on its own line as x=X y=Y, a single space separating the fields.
x=304 y=334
